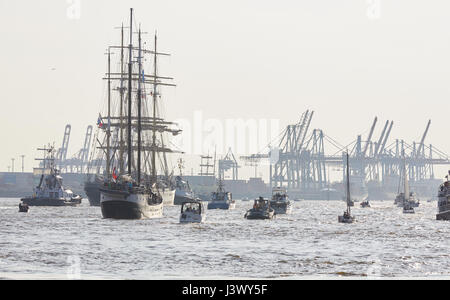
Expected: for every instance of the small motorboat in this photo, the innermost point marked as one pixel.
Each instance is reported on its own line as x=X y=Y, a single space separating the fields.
x=261 y=210
x=280 y=201
x=23 y=208
x=192 y=212
x=365 y=204
x=408 y=209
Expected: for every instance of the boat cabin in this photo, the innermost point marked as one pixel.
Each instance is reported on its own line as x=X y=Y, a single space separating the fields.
x=194 y=207
x=261 y=203
x=192 y=212
x=279 y=194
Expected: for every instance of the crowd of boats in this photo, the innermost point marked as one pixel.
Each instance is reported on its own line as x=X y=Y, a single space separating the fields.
x=51 y=192
x=132 y=141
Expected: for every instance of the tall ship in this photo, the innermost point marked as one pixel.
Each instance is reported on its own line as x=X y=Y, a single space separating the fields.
x=132 y=135
x=221 y=199
x=444 y=201
x=50 y=191
x=135 y=137
x=280 y=201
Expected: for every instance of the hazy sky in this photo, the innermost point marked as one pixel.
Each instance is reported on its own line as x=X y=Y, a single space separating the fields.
x=348 y=60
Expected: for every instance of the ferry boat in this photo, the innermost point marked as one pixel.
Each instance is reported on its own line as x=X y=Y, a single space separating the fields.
x=280 y=201
x=261 y=210
x=221 y=199
x=192 y=212
x=50 y=191
x=444 y=201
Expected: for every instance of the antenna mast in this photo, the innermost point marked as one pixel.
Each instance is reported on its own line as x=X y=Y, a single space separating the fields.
x=108 y=130
x=154 y=112
x=139 y=113
x=130 y=70
x=121 y=150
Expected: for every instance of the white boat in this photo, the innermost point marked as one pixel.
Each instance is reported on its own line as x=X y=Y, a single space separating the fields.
x=192 y=212
x=444 y=201
x=280 y=201
x=347 y=216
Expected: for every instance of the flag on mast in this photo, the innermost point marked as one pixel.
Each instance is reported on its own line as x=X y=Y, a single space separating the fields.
x=100 y=121
x=114 y=174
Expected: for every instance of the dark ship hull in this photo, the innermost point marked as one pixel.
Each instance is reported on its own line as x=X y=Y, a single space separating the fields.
x=444 y=213
x=92 y=190
x=281 y=208
x=126 y=206
x=258 y=214
x=221 y=205
x=346 y=219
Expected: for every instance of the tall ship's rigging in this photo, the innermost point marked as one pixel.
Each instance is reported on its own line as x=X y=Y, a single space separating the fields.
x=133 y=137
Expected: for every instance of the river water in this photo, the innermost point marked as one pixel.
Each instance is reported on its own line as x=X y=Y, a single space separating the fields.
x=76 y=243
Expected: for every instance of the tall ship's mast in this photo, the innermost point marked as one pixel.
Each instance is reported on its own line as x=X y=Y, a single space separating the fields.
x=131 y=139
x=134 y=132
